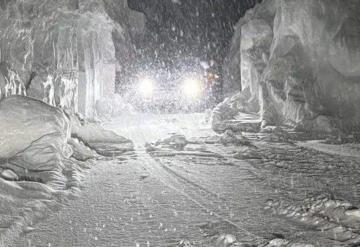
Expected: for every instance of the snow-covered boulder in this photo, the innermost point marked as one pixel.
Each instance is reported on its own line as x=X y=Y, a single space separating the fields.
x=226 y=116
x=33 y=140
x=24 y=121
x=302 y=73
x=36 y=169
x=104 y=142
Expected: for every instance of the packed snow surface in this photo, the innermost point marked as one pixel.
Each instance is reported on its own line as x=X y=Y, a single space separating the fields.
x=185 y=185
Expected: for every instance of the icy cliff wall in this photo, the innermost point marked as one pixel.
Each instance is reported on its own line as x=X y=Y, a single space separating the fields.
x=298 y=62
x=64 y=52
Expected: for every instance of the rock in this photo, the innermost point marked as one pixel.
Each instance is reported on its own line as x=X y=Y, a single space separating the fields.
x=297 y=74
x=9 y=175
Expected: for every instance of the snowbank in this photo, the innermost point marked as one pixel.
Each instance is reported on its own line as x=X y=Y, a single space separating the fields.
x=41 y=165
x=36 y=172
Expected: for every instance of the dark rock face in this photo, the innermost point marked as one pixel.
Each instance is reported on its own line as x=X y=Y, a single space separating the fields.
x=298 y=63
x=65 y=53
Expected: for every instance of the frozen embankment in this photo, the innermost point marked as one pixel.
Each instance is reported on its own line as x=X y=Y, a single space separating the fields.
x=43 y=158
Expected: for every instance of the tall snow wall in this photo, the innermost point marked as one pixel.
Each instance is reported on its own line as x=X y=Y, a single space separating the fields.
x=298 y=62
x=64 y=52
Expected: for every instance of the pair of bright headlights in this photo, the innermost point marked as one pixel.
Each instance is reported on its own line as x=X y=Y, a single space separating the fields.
x=190 y=87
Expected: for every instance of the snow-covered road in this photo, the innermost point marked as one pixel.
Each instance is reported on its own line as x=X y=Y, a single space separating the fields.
x=152 y=199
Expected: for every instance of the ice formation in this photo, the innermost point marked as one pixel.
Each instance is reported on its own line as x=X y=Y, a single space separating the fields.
x=52 y=48
x=10 y=82
x=296 y=72
x=63 y=55
x=49 y=93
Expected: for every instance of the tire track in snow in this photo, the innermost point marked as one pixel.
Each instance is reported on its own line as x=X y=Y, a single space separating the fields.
x=192 y=191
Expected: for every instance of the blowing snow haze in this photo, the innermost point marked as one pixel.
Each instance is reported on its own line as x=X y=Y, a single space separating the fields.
x=179 y=123
x=180 y=28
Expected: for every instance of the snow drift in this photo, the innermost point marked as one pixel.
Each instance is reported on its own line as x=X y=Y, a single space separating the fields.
x=43 y=156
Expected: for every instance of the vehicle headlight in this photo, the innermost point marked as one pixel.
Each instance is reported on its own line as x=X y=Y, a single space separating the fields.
x=146 y=87
x=192 y=87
